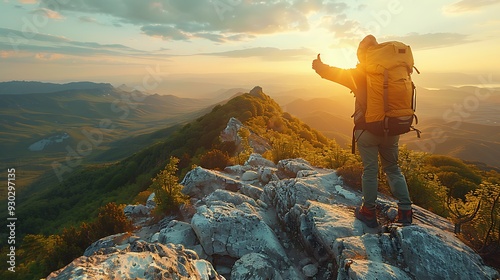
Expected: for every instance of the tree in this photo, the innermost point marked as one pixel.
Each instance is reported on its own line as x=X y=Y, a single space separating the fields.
x=167 y=190
x=464 y=212
x=246 y=149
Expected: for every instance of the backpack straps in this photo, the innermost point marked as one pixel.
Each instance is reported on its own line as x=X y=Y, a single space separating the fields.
x=353 y=143
x=418 y=131
x=386 y=101
x=386 y=90
x=354 y=140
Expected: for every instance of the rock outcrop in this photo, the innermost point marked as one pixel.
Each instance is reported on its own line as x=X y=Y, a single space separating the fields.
x=284 y=221
x=138 y=259
x=230 y=134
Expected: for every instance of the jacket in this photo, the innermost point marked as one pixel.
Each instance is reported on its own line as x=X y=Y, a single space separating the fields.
x=355 y=80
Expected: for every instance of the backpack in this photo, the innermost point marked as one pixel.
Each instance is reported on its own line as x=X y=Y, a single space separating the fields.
x=391 y=94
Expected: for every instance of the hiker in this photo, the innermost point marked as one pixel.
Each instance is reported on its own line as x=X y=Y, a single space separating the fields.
x=370 y=145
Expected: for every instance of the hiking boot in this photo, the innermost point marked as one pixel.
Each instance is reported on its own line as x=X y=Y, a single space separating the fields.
x=405 y=216
x=367 y=216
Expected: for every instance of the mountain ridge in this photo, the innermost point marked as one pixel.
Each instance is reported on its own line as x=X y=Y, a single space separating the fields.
x=25 y=87
x=198 y=134
x=46 y=136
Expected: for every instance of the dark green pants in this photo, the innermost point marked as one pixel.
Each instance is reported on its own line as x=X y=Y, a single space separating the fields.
x=370 y=146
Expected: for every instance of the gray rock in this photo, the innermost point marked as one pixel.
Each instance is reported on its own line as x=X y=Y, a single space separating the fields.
x=110 y=243
x=266 y=174
x=250 y=176
x=230 y=133
x=227 y=230
x=151 y=202
x=257 y=160
x=365 y=269
x=201 y=182
x=139 y=210
x=178 y=232
x=254 y=266
x=292 y=166
x=310 y=270
x=139 y=260
x=429 y=252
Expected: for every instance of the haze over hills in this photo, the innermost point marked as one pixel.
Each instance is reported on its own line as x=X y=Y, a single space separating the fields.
x=37 y=128
x=462 y=122
x=55 y=121
x=23 y=87
x=327 y=106
x=32 y=117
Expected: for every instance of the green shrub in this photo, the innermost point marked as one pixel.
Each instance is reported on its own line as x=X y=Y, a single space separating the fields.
x=215 y=159
x=351 y=174
x=167 y=190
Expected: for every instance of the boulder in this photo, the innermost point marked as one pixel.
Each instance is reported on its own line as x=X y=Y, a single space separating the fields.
x=139 y=260
x=178 y=232
x=139 y=210
x=250 y=176
x=291 y=167
x=255 y=266
x=224 y=229
x=428 y=251
x=110 y=243
x=321 y=224
x=364 y=269
x=267 y=174
x=201 y=182
x=151 y=202
x=257 y=160
x=230 y=133
x=310 y=270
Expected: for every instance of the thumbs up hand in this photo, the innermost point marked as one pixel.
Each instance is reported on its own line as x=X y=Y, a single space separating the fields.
x=317 y=63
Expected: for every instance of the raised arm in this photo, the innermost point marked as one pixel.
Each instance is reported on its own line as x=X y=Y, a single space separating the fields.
x=345 y=77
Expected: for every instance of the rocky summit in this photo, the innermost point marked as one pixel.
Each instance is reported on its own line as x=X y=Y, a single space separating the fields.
x=288 y=220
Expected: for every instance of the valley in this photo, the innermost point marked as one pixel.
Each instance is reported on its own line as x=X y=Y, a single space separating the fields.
x=58 y=131
x=95 y=123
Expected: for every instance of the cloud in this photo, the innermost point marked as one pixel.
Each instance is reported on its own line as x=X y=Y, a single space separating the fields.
x=165 y=32
x=88 y=19
x=14 y=40
x=7 y=54
x=266 y=53
x=431 y=40
x=216 y=20
x=464 y=6
x=48 y=13
x=48 y=56
x=342 y=27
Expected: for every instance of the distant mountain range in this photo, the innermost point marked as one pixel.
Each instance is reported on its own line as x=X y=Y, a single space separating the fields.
x=23 y=87
x=461 y=122
x=44 y=123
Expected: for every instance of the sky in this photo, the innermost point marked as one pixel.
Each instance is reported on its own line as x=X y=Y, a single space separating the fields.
x=132 y=41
